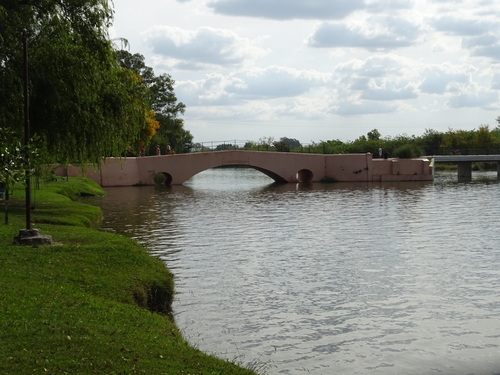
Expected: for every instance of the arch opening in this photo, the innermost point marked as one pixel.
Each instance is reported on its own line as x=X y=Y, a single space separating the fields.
x=304 y=176
x=163 y=178
x=277 y=178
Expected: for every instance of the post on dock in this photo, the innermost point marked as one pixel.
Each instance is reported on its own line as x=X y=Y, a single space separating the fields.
x=464 y=171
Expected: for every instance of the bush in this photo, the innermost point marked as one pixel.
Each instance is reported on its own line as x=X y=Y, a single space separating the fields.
x=407 y=151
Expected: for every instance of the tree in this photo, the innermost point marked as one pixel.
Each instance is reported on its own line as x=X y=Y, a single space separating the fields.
x=266 y=142
x=249 y=145
x=291 y=142
x=79 y=102
x=16 y=160
x=373 y=135
x=226 y=147
x=172 y=132
x=163 y=101
x=362 y=145
x=496 y=134
x=483 y=138
x=457 y=141
x=281 y=147
x=407 y=151
x=430 y=141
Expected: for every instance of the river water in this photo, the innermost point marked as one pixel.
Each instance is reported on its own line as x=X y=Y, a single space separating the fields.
x=392 y=278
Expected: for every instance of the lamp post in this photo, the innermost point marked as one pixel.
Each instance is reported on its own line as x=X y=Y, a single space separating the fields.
x=28 y=236
x=27 y=128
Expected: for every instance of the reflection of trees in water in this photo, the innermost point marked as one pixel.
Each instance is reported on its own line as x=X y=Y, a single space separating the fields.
x=139 y=209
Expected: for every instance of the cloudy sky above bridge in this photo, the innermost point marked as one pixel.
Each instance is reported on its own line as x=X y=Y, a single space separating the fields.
x=321 y=69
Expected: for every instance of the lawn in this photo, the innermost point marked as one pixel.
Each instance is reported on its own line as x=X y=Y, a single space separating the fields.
x=90 y=303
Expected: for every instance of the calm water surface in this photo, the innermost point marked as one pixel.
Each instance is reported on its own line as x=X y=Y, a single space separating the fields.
x=328 y=278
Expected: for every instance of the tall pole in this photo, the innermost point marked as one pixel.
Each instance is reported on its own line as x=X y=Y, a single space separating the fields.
x=27 y=129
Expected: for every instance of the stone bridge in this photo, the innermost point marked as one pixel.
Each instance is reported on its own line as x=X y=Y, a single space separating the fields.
x=280 y=166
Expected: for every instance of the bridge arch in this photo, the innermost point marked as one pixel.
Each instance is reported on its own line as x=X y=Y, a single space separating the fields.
x=167 y=179
x=281 y=167
x=277 y=178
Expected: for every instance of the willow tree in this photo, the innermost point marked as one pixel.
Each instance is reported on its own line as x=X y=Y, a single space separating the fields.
x=83 y=105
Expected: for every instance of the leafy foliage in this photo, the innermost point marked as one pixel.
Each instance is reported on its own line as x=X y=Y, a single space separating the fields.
x=226 y=147
x=16 y=163
x=16 y=159
x=83 y=105
x=12 y=160
x=159 y=93
x=407 y=151
x=483 y=138
x=480 y=141
x=373 y=135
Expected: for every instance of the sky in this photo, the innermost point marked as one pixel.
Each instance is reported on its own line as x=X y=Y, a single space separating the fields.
x=317 y=70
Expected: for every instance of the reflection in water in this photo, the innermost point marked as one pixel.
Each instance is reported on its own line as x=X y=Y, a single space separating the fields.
x=399 y=278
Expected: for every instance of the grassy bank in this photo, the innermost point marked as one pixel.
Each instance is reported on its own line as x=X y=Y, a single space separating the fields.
x=91 y=303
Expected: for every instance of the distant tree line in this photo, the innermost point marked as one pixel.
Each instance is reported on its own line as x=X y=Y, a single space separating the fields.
x=480 y=141
x=476 y=141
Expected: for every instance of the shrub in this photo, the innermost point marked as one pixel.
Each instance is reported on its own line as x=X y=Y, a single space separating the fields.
x=407 y=151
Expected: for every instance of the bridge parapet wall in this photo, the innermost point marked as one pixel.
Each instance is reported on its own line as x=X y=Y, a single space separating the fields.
x=402 y=170
x=348 y=168
x=282 y=167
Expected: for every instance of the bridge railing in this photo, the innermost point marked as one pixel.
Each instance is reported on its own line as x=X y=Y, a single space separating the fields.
x=464 y=151
x=321 y=148
x=256 y=146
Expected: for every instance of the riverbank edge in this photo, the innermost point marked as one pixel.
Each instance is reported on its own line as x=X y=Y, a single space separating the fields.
x=93 y=302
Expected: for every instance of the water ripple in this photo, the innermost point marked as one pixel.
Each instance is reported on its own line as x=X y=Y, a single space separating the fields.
x=335 y=278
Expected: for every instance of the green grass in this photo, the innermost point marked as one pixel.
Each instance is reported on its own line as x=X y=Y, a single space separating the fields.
x=91 y=303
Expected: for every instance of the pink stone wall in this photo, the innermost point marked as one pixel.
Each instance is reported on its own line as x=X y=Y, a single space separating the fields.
x=348 y=167
x=287 y=167
x=402 y=170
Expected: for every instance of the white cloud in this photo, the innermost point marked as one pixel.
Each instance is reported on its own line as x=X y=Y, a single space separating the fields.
x=203 y=47
x=276 y=81
x=208 y=91
x=287 y=9
x=460 y=26
x=483 y=99
x=491 y=51
x=495 y=81
x=375 y=33
x=379 y=6
x=251 y=66
x=479 y=35
x=252 y=84
x=380 y=84
x=441 y=79
x=352 y=108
